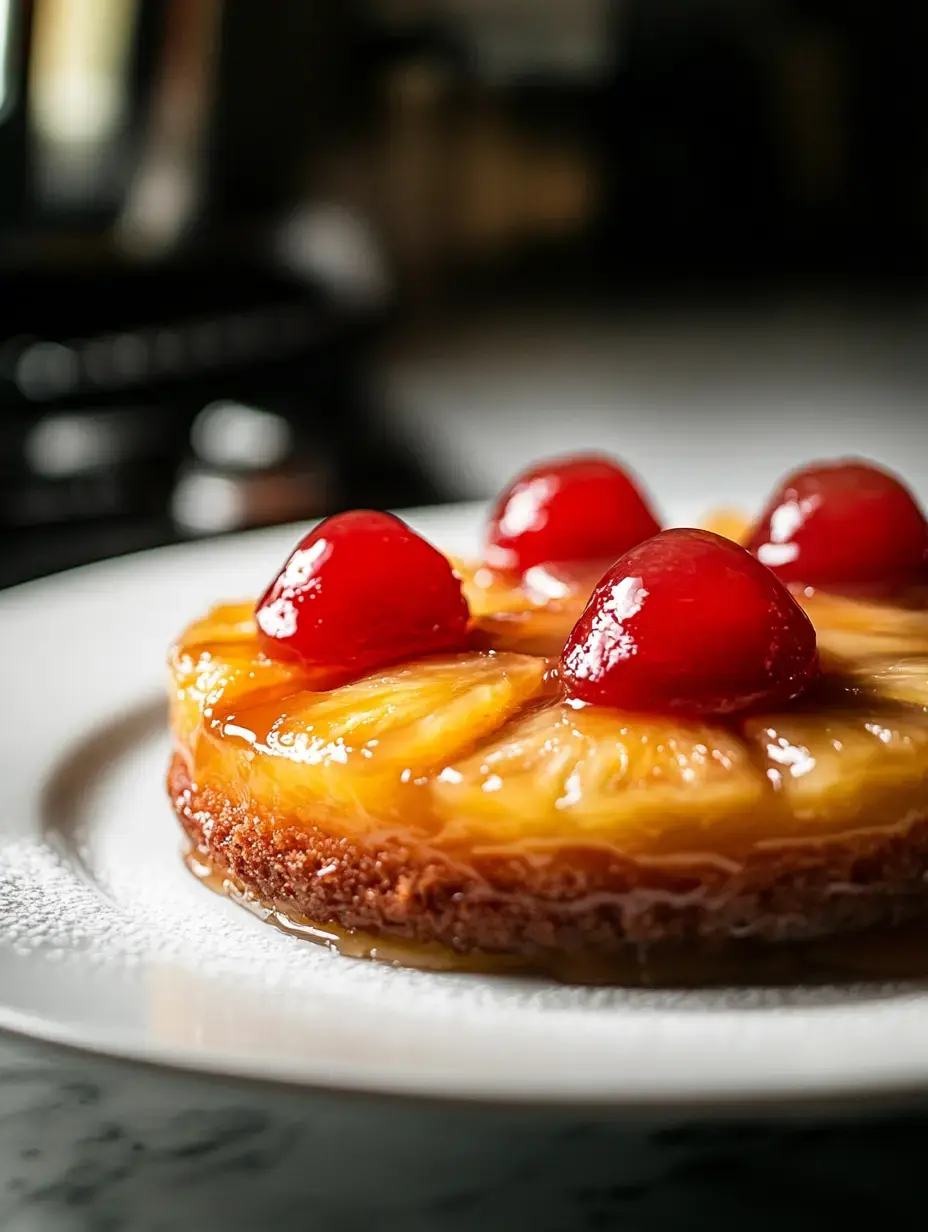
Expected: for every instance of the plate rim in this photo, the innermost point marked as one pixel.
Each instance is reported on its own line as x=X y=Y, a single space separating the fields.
x=834 y=1098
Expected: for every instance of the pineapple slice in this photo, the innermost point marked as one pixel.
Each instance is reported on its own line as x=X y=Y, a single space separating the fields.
x=533 y=631
x=210 y=682
x=530 y=615
x=595 y=776
x=897 y=680
x=356 y=753
x=217 y=662
x=843 y=771
x=729 y=523
x=858 y=630
x=223 y=624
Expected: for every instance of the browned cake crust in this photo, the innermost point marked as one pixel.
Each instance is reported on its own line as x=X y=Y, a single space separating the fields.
x=575 y=901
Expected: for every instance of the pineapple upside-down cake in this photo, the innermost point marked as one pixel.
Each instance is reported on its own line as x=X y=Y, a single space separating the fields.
x=600 y=739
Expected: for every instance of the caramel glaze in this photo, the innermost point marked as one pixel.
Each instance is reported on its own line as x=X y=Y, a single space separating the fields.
x=784 y=890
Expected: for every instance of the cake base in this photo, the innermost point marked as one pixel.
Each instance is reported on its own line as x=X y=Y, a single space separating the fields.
x=567 y=911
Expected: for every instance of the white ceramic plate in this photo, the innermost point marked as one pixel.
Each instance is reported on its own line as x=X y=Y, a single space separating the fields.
x=107 y=943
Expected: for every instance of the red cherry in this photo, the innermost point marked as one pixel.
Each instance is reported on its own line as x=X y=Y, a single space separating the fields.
x=845 y=526
x=581 y=508
x=690 y=623
x=359 y=592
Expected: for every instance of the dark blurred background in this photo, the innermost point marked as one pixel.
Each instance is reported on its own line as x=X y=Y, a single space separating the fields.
x=261 y=262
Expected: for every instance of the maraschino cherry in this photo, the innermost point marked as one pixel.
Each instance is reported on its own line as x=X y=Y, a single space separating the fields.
x=570 y=509
x=843 y=526
x=360 y=592
x=690 y=623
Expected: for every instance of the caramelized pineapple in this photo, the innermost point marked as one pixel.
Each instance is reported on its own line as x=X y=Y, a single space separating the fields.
x=899 y=680
x=858 y=630
x=351 y=753
x=218 y=663
x=358 y=753
x=597 y=776
x=531 y=613
x=729 y=523
x=843 y=771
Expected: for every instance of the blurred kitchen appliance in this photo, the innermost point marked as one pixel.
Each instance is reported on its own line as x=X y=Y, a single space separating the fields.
x=159 y=262
x=157 y=115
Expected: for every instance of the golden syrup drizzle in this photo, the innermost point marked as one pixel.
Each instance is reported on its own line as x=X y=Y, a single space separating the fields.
x=352 y=943
x=876 y=955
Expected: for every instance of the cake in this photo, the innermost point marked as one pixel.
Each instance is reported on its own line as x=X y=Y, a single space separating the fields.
x=600 y=744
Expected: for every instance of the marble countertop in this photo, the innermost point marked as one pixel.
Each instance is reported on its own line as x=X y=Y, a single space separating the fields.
x=97 y=1146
